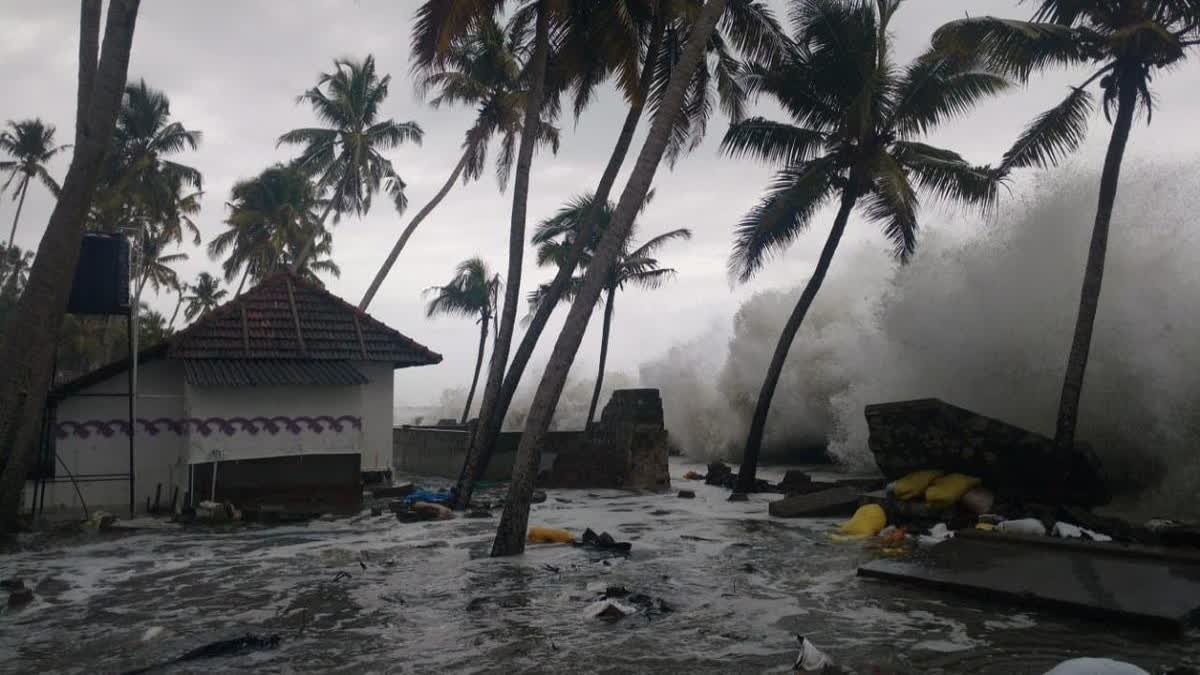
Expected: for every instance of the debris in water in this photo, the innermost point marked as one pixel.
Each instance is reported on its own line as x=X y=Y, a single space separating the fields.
x=610 y=610
x=810 y=659
x=692 y=475
x=247 y=643
x=1031 y=526
x=686 y=494
x=604 y=542
x=1068 y=531
x=1092 y=666
x=549 y=535
x=19 y=597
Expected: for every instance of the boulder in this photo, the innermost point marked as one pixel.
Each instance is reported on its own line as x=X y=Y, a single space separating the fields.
x=427 y=511
x=687 y=494
x=796 y=482
x=834 y=502
x=20 y=597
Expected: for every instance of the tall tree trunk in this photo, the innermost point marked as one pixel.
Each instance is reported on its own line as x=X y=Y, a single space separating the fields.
x=493 y=411
x=28 y=351
x=1093 y=275
x=178 y=304
x=516 y=235
x=408 y=231
x=604 y=332
x=483 y=334
x=20 y=203
x=243 y=281
x=746 y=474
x=510 y=535
x=89 y=48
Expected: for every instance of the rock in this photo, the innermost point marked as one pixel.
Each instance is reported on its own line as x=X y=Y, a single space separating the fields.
x=603 y=542
x=20 y=597
x=537 y=497
x=408 y=516
x=397 y=506
x=609 y=610
x=796 y=482
x=835 y=502
x=721 y=475
x=738 y=497
x=686 y=494
x=101 y=520
x=427 y=511
x=392 y=491
x=479 y=513
x=376 y=510
x=12 y=585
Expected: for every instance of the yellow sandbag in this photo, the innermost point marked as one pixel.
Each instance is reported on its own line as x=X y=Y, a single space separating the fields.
x=913 y=485
x=985 y=527
x=549 y=535
x=947 y=490
x=867 y=521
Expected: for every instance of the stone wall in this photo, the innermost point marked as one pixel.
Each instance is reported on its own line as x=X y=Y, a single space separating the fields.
x=910 y=436
x=627 y=449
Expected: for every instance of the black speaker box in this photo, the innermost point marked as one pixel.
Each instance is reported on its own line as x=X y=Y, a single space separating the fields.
x=101 y=283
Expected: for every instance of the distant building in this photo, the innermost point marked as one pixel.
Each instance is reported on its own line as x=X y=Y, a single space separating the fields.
x=283 y=395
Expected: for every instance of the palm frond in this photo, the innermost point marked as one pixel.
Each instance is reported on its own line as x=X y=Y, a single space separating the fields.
x=934 y=90
x=1013 y=48
x=949 y=177
x=893 y=201
x=770 y=141
x=1053 y=135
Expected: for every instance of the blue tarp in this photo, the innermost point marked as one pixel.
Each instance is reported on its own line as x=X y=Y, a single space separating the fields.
x=444 y=498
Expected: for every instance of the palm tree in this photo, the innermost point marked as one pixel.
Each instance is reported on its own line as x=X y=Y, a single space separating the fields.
x=510 y=535
x=606 y=39
x=27 y=355
x=634 y=266
x=206 y=295
x=1126 y=42
x=482 y=69
x=30 y=143
x=14 y=272
x=346 y=154
x=273 y=217
x=853 y=139
x=472 y=293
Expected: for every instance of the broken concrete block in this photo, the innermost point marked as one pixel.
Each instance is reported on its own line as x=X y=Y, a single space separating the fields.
x=835 y=502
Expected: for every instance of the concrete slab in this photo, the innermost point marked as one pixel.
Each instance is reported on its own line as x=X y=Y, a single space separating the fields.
x=1140 y=588
x=837 y=501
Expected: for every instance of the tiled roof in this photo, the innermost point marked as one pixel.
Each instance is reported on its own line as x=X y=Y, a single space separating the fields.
x=286 y=317
x=267 y=373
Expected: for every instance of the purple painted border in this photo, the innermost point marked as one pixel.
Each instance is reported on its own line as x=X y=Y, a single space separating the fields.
x=208 y=426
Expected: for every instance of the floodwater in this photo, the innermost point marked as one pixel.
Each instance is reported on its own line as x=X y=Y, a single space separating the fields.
x=425 y=597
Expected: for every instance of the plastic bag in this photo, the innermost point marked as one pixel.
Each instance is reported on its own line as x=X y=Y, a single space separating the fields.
x=867 y=521
x=914 y=484
x=947 y=490
x=549 y=535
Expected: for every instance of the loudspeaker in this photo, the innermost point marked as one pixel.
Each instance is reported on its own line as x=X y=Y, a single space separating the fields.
x=101 y=284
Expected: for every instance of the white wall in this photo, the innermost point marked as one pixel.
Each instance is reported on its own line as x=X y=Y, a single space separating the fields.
x=158 y=458
x=228 y=403
x=377 y=405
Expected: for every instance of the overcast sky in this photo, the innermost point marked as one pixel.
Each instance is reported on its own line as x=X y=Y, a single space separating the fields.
x=233 y=69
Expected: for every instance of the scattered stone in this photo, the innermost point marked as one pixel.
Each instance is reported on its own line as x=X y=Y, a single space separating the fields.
x=376 y=510
x=738 y=497
x=796 y=482
x=835 y=502
x=12 y=584
x=537 y=497
x=392 y=491
x=721 y=475
x=603 y=542
x=20 y=597
x=479 y=513
x=687 y=494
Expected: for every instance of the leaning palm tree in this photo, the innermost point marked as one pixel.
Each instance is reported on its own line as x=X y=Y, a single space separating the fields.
x=483 y=69
x=27 y=352
x=30 y=143
x=853 y=140
x=510 y=534
x=638 y=45
x=472 y=293
x=272 y=217
x=14 y=272
x=346 y=156
x=206 y=295
x=634 y=266
x=1126 y=42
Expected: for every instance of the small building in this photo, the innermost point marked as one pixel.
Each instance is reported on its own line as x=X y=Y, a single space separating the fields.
x=279 y=399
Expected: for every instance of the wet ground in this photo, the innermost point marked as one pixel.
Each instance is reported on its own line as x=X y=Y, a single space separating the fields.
x=426 y=598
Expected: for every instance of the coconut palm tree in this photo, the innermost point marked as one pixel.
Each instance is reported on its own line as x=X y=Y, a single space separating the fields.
x=272 y=218
x=30 y=143
x=346 y=156
x=603 y=40
x=482 y=69
x=634 y=266
x=206 y=295
x=510 y=535
x=14 y=272
x=853 y=140
x=27 y=353
x=156 y=266
x=472 y=293
x=1125 y=43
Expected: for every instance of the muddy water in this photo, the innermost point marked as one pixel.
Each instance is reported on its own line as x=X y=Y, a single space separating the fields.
x=425 y=598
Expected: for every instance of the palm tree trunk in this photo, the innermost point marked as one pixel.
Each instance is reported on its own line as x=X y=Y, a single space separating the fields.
x=608 y=313
x=310 y=242
x=1093 y=275
x=510 y=535
x=493 y=411
x=178 y=304
x=408 y=231
x=483 y=334
x=20 y=203
x=746 y=474
x=28 y=351
x=516 y=235
x=243 y=281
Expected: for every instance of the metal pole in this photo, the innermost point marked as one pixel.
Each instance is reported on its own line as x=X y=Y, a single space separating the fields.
x=131 y=328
